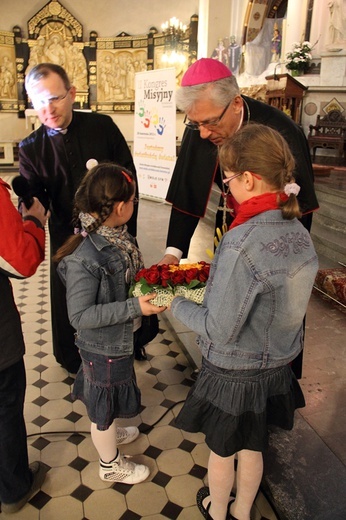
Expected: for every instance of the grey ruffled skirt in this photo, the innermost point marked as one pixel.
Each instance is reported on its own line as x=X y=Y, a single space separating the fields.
x=234 y=408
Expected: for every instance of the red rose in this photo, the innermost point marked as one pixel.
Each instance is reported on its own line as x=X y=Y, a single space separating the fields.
x=140 y=274
x=191 y=274
x=165 y=275
x=178 y=277
x=203 y=274
x=152 y=276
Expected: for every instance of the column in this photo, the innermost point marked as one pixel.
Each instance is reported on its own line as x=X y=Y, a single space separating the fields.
x=295 y=25
x=213 y=23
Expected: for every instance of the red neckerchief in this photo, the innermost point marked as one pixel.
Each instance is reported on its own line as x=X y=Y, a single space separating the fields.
x=256 y=205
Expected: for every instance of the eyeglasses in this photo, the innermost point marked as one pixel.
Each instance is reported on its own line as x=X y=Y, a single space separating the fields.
x=229 y=179
x=134 y=200
x=54 y=101
x=208 y=124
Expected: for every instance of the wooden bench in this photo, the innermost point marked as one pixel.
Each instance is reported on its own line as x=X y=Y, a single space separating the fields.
x=328 y=132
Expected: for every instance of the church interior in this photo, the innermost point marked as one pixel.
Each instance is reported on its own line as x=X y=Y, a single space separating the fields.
x=102 y=47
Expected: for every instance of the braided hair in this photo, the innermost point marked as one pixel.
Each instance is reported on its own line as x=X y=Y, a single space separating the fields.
x=102 y=186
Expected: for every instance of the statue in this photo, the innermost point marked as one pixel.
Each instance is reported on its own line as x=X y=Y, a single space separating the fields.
x=220 y=52
x=130 y=80
x=7 y=83
x=69 y=58
x=276 y=45
x=108 y=78
x=80 y=73
x=234 y=55
x=55 y=51
x=336 y=22
x=37 y=53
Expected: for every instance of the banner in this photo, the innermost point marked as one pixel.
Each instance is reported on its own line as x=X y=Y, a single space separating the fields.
x=154 y=147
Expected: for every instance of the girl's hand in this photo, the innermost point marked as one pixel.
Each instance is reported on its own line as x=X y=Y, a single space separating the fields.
x=148 y=308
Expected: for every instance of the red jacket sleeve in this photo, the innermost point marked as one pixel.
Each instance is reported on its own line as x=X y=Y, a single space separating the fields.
x=21 y=243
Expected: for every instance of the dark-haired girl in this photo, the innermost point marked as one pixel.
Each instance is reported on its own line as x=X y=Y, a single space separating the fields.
x=98 y=264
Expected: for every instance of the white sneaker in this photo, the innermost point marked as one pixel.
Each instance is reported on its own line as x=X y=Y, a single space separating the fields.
x=124 y=471
x=127 y=435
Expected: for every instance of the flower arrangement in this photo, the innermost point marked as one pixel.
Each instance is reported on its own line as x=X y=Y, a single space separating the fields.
x=300 y=56
x=168 y=280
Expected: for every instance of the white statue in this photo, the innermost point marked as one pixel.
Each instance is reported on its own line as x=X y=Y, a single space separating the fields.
x=234 y=55
x=220 y=52
x=336 y=22
x=55 y=51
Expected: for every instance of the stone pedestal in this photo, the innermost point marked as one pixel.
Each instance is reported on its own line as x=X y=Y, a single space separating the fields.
x=333 y=68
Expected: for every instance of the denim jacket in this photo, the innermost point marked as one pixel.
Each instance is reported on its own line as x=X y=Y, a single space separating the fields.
x=97 y=297
x=257 y=294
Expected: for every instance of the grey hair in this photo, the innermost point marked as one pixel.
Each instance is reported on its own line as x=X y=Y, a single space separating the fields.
x=219 y=92
x=42 y=71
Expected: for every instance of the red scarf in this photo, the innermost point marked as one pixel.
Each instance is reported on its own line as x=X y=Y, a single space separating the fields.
x=256 y=205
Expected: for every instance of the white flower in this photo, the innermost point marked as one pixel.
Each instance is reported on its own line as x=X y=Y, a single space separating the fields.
x=299 y=55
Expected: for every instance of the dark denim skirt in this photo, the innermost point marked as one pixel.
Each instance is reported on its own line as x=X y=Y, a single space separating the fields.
x=234 y=408
x=108 y=388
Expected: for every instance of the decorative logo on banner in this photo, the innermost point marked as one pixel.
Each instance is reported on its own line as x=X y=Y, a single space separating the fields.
x=154 y=150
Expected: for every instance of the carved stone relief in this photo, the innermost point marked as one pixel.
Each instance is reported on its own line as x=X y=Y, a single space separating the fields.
x=102 y=69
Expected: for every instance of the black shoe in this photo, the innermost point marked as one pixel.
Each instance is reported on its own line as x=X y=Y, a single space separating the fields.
x=205 y=492
x=201 y=495
x=140 y=354
x=39 y=471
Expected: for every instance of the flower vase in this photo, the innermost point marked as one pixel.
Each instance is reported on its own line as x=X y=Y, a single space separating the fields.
x=295 y=72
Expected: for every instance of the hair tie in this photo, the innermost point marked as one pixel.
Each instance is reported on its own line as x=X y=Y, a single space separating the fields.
x=291 y=188
x=78 y=231
x=91 y=163
x=127 y=177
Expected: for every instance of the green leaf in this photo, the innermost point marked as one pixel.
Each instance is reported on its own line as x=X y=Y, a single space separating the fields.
x=195 y=284
x=147 y=288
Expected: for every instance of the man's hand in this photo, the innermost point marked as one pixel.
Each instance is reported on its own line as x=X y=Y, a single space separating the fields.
x=169 y=259
x=36 y=210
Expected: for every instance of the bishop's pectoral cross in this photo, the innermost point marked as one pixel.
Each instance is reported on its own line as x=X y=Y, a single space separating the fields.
x=224 y=210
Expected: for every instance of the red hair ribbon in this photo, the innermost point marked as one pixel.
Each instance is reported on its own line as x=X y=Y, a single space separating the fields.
x=127 y=177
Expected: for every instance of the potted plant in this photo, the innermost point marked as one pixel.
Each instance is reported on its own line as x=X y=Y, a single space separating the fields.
x=298 y=60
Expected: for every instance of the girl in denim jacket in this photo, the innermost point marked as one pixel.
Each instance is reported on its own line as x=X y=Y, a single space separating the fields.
x=97 y=265
x=250 y=324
